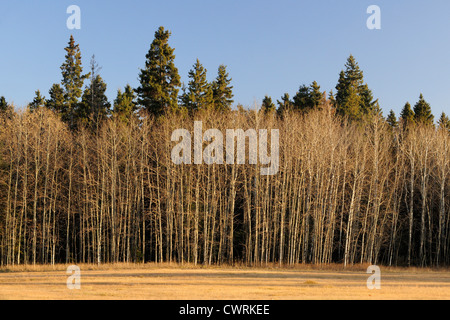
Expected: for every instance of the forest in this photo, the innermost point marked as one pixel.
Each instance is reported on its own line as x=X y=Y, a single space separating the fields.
x=84 y=180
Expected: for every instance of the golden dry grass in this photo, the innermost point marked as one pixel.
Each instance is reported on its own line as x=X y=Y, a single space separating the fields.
x=174 y=282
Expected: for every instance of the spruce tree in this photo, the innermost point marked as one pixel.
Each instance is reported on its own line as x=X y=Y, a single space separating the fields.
x=285 y=104
x=3 y=105
x=407 y=115
x=354 y=98
x=6 y=109
x=94 y=106
x=302 y=99
x=348 y=101
x=444 y=122
x=159 y=80
x=199 y=93
x=222 y=90
x=125 y=104
x=72 y=81
x=368 y=106
x=37 y=102
x=392 y=119
x=267 y=105
x=315 y=95
x=56 y=99
x=422 y=112
x=341 y=95
x=351 y=106
x=332 y=98
x=308 y=98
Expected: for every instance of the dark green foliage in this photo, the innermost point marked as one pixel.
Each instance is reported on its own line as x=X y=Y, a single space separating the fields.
x=302 y=100
x=315 y=95
x=267 y=105
x=72 y=81
x=285 y=104
x=332 y=98
x=199 y=93
x=125 y=104
x=308 y=98
x=407 y=115
x=56 y=100
x=6 y=109
x=94 y=106
x=3 y=105
x=392 y=119
x=354 y=98
x=222 y=90
x=37 y=102
x=422 y=112
x=369 y=106
x=444 y=122
x=159 y=80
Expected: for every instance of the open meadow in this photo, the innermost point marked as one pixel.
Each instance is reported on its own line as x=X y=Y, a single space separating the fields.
x=187 y=282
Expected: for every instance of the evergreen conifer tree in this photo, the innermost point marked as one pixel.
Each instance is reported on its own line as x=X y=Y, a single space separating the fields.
x=354 y=98
x=407 y=115
x=267 y=105
x=444 y=122
x=3 y=105
x=422 y=112
x=302 y=99
x=125 y=104
x=308 y=98
x=94 y=106
x=199 y=93
x=159 y=80
x=222 y=90
x=285 y=103
x=315 y=95
x=56 y=99
x=392 y=119
x=37 y=102
x=72 y=81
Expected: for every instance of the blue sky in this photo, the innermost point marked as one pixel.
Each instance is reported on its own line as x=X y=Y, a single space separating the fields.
x=269 y=47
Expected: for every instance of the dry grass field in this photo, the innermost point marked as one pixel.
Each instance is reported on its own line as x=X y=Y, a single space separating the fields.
x=179 y=282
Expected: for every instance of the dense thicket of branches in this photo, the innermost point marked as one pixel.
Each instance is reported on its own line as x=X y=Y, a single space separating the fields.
x=345 y=192
x=83 y=182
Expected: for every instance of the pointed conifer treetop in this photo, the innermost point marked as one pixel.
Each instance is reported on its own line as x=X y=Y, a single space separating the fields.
x=95 y=105
x=37 y=102
x=407 y=114
x=4 y=106
x=354 y=98
x=392 y=119
x=285 y=104
x=159 y=80
x=125 y=104
x=55 y=102
x=422 y=112
x=268 y=105
x=72 y=81
x=72 y=70
x=444 y=122
x=222 y=90
x=199 y=93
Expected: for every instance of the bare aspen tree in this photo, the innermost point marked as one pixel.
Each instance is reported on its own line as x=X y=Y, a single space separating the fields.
x=345 y=192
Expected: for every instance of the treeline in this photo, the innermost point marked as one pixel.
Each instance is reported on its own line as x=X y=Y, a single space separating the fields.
x=84 y=181
x=159 y=93
x=344 y=193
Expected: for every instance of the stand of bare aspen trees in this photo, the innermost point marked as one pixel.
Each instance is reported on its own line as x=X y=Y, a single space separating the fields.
x=344 y=192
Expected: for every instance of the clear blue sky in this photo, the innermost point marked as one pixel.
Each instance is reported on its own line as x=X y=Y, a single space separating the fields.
x=270 y=47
